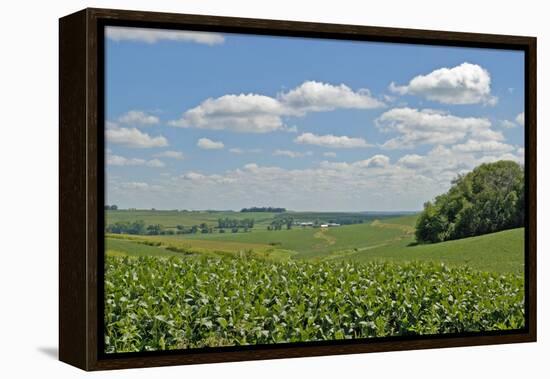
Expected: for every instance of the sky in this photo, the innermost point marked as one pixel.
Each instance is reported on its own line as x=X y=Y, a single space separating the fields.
x=198 y=120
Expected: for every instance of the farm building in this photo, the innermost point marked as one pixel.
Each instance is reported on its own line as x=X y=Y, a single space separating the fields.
x=325 y=225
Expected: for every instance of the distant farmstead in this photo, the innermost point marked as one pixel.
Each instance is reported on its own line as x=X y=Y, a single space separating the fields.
x=312 y=224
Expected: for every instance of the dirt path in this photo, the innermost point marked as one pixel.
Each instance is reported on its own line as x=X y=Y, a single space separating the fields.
x=322 y=235
x=404 y=228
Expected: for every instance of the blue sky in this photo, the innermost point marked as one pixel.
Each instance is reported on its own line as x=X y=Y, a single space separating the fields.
x=225 y=121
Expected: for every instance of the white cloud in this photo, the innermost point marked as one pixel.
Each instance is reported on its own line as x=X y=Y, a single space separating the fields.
x=419 y=127
x=507 y=124
x=464 y=84
x=290 y=129
x=238 y=150
x=170 y=154
x=337 y=166
x=411 y=161
x=377 y=160
x=208 y=144
x=520 y=119
x=250 y=166
x=110 y=124
x=442 y=164
x=501 y=157
x=520 y=151
x=331 y=141
x=485 y=133
x=138 y=118
x=291 y=154
x=254 y=113
x=134 y=185
x=248 y=113
x=474 y=146
x=357 y=185
x=329 y=154
x=133 y=137
x=193 y=176
x=366 y=182
x=155 y=163
x=312 y=96
x=148 y=35
x=118 y=160
x=389 y=98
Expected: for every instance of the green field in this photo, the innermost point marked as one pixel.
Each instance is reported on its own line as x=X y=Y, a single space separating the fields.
x=168 y=246
x=389 y=239
x=495 y=252
x=170 y=219
x=362 y=280
x=169 y=303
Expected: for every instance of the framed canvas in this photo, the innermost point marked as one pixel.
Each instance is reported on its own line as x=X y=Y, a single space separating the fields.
x=240 y=189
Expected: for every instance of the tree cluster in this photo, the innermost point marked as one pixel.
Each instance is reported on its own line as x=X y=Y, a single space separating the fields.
x=126 y=227
x=264 y=209
x=486 y=200
x=232 y=223
x=279 y=222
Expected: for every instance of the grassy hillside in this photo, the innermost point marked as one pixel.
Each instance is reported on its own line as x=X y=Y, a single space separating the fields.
x=385 y=239
x=122 y=247
x=496 y=252
x=167 y=246
x=408 y=220
x=310 y=242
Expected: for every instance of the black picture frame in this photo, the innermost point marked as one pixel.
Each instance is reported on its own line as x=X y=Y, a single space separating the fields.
x=81 y=164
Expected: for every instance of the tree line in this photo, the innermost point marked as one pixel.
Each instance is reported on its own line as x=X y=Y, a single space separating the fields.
x=488 y=199
x=264 y=209
x=141 y=228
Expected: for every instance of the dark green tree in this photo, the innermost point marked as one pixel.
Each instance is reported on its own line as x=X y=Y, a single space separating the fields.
x=137 y=227
x=486 y=200
x=154 y=229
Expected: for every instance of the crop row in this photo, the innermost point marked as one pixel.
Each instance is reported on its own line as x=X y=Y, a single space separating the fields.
x=173 y=303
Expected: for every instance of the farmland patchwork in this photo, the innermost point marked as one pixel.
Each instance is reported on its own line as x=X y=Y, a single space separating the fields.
x=365 y=280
